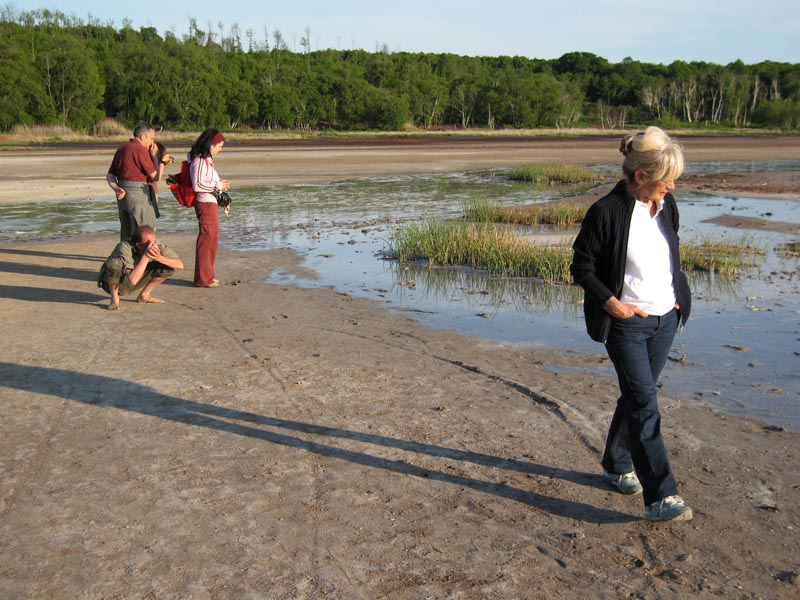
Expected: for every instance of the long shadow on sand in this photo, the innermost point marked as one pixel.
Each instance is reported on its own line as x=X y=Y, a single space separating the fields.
x=130 y=396
x=34 y=294
x=50 y=271
x=31 y=294
x=61 y=255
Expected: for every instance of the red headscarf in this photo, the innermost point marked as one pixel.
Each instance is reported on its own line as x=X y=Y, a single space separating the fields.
x=217 y=138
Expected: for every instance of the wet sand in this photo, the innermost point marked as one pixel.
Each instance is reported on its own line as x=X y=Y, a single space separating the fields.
x=78 y=170
x=264 y=440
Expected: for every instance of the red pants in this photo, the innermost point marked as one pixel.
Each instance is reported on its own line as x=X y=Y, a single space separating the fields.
x=207 y=239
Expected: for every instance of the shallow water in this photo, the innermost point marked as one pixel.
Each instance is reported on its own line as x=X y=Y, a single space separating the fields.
x=739 y=352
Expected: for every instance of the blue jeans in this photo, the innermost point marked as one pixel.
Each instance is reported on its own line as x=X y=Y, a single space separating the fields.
x=639 y=347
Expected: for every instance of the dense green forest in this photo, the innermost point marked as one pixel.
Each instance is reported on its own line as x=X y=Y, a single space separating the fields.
x=57 y=69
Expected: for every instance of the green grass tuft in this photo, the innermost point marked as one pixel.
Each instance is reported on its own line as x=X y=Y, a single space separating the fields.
x=562 y=213
x=725 y=258
x=502 y=253
x=552 y=174
x=482 y=246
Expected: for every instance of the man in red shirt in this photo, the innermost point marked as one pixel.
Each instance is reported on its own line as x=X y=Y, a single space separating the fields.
x=135 y=166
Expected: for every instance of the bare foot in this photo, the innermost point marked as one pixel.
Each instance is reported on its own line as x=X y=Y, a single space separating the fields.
x=114 y=305
x=148 y=300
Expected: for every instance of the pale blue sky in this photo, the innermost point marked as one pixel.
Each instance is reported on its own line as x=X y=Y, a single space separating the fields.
x=718 y=31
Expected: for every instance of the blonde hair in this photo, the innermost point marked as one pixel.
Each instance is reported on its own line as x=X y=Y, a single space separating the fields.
x=653 y=153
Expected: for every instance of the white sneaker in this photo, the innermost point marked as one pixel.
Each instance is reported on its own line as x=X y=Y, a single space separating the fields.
x=627 y=484
x=671 y=508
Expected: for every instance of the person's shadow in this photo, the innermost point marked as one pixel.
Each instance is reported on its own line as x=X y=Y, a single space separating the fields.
x=22 y=252
x=36 y=294
x=49 y=270
x=130 y=396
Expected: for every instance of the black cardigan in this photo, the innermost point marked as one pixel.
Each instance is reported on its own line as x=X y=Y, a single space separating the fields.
x=601 y=250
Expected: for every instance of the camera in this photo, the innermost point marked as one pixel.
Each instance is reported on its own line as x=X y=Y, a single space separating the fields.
x=223 y=199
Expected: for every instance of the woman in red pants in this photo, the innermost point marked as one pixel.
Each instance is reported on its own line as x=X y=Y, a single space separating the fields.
x=207 y=183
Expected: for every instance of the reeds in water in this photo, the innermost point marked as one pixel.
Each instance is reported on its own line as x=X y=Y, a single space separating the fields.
x=562 y=213
x=483 y=246
x=717 y=256
x=502 y=253
x=552 y=174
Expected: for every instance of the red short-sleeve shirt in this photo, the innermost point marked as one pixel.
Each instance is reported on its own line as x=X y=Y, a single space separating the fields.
x=132 y=162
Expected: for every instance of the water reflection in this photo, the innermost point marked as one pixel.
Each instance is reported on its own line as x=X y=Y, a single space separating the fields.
x=478 y=291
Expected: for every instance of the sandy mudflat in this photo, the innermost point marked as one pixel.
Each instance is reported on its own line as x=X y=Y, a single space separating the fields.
x=269 y=441
x=79 y=170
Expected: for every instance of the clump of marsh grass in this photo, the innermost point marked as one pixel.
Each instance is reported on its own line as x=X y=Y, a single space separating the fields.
x=109 y=128
x=789 y=250
x=562 y=213
x=42 y=132
x=722 y=257
x=504 y=254
x=717 y=256
x=482 y=246
x=551 y=174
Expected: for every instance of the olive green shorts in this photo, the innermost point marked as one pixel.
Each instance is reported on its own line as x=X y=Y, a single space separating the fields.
x=113 y=273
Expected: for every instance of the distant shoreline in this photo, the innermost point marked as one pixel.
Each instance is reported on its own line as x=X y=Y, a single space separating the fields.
x=47 y=139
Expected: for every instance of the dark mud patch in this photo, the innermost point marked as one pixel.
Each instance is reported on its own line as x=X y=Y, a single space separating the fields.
x=740 y=222
x=761 y=184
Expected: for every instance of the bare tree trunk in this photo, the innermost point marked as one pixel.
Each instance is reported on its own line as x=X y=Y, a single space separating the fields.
x=756 y=87
x=601 y=113
x=776 y=90
x=716 y=104
x=464 y=109
x=433 y=113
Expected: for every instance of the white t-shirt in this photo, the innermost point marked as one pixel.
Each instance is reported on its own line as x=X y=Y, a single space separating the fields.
x=648 y=269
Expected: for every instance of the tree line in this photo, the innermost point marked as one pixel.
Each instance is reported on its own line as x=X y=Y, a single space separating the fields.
x=57 y=69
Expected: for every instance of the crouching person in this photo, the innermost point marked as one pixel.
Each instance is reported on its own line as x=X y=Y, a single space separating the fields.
x=140 y=263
